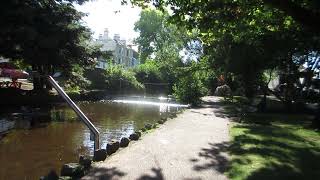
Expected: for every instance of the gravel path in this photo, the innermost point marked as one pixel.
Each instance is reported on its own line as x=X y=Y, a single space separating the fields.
x=189 y=147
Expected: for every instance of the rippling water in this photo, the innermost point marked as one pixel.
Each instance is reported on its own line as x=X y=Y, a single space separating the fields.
x=35 y=147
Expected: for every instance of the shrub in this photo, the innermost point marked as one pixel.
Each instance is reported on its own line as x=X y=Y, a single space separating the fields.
x=75 y=80
x=114 y=79
x=189 y=89
x=97 y=78
x=148 y=72
x=150 y=76
x=120 y=79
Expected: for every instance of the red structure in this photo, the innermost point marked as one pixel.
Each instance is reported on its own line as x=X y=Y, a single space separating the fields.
x=8 y=70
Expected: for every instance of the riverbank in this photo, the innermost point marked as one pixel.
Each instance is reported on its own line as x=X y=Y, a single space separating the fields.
x=183 y=148
x=19 y=97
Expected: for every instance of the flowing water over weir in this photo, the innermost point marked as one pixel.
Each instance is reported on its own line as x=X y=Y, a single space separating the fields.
x=33 y=147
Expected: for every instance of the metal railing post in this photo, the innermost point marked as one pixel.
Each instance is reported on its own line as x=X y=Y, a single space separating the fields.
x=77 y=110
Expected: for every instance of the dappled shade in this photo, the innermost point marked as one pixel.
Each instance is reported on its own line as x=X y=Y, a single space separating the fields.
x=282 y=150
x=216 y=155
x=106 y=173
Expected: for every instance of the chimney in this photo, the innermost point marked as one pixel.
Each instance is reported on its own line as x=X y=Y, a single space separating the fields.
x=106 y=33
x=116 y=37
x=100 y=36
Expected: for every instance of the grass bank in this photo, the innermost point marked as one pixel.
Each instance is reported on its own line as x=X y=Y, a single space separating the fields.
x=274 y=146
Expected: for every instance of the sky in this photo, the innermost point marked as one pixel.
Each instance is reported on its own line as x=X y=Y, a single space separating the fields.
x=119 y=19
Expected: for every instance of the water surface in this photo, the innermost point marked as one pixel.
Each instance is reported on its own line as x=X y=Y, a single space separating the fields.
x=33 y=148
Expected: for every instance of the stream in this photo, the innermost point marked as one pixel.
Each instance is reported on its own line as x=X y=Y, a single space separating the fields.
x=32 y=148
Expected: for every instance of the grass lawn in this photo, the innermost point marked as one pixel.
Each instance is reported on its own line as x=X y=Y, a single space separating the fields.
x=274 y=146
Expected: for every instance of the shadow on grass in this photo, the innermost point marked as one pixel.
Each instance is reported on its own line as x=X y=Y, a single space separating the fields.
x=105 y=173
x=278 y=151
x=264 y=152
x=239 y=111
x=264 y=146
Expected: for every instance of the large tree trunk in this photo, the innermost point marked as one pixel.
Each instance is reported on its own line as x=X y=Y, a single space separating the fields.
x=316 y=120
x=36 y=78
x=40 y=82
x=262 y=106
x=289 y=90
x=49 y=71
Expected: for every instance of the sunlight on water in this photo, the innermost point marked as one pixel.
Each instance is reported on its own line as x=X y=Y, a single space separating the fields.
x=33 y=147
x=150 y=103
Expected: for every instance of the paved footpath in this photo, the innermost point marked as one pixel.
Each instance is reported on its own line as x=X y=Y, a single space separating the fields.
x=189 y=147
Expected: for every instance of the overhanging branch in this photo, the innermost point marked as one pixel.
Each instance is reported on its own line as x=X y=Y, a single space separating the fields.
x=305 y=17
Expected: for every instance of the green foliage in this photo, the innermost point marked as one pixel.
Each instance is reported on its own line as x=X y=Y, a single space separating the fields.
x=20 y=64
x=148 y=72
x=149 y=75
x=169 y=63
x=157 y=35
x=207 y=76
x=75 y=80
x=162 y=43
x=189 y=89
x=149 y=27
x=115 y=79
x=118 y=79
x=306 y=13
x=244 y=38
x=44 y=33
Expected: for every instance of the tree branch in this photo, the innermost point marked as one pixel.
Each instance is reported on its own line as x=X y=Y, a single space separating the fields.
x=305 y=17
x=276 y=95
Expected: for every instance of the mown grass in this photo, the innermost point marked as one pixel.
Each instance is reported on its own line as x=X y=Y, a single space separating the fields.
x=274 y=146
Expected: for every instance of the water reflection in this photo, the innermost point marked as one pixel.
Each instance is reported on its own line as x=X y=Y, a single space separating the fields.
x=38 y=144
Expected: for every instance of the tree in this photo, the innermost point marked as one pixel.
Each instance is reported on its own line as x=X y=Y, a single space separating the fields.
x=189 y=89
x=162 y=42
x=156 y=33
x=150 y=27
x=246 y=37
x=46 y=34
x=305 y=12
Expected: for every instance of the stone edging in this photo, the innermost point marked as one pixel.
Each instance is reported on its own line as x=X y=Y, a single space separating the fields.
x=71 y=171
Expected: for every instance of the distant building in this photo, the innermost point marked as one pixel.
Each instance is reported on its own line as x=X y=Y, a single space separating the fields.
x=3 y=60
x=121 y=52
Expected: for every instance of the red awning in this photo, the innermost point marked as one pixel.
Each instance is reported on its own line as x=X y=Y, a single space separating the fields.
x=7 y=65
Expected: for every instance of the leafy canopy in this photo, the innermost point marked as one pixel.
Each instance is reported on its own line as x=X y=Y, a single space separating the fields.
x=243 y=38
x=44 y=32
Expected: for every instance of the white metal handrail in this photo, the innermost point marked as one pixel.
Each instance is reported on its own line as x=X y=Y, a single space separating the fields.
x=77 y=110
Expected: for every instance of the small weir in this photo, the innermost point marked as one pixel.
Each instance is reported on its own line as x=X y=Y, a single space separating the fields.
x=151 y=103
x=32 y=148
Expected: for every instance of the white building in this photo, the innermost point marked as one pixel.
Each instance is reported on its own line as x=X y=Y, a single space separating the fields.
x=121 y=52
x=3 y=60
